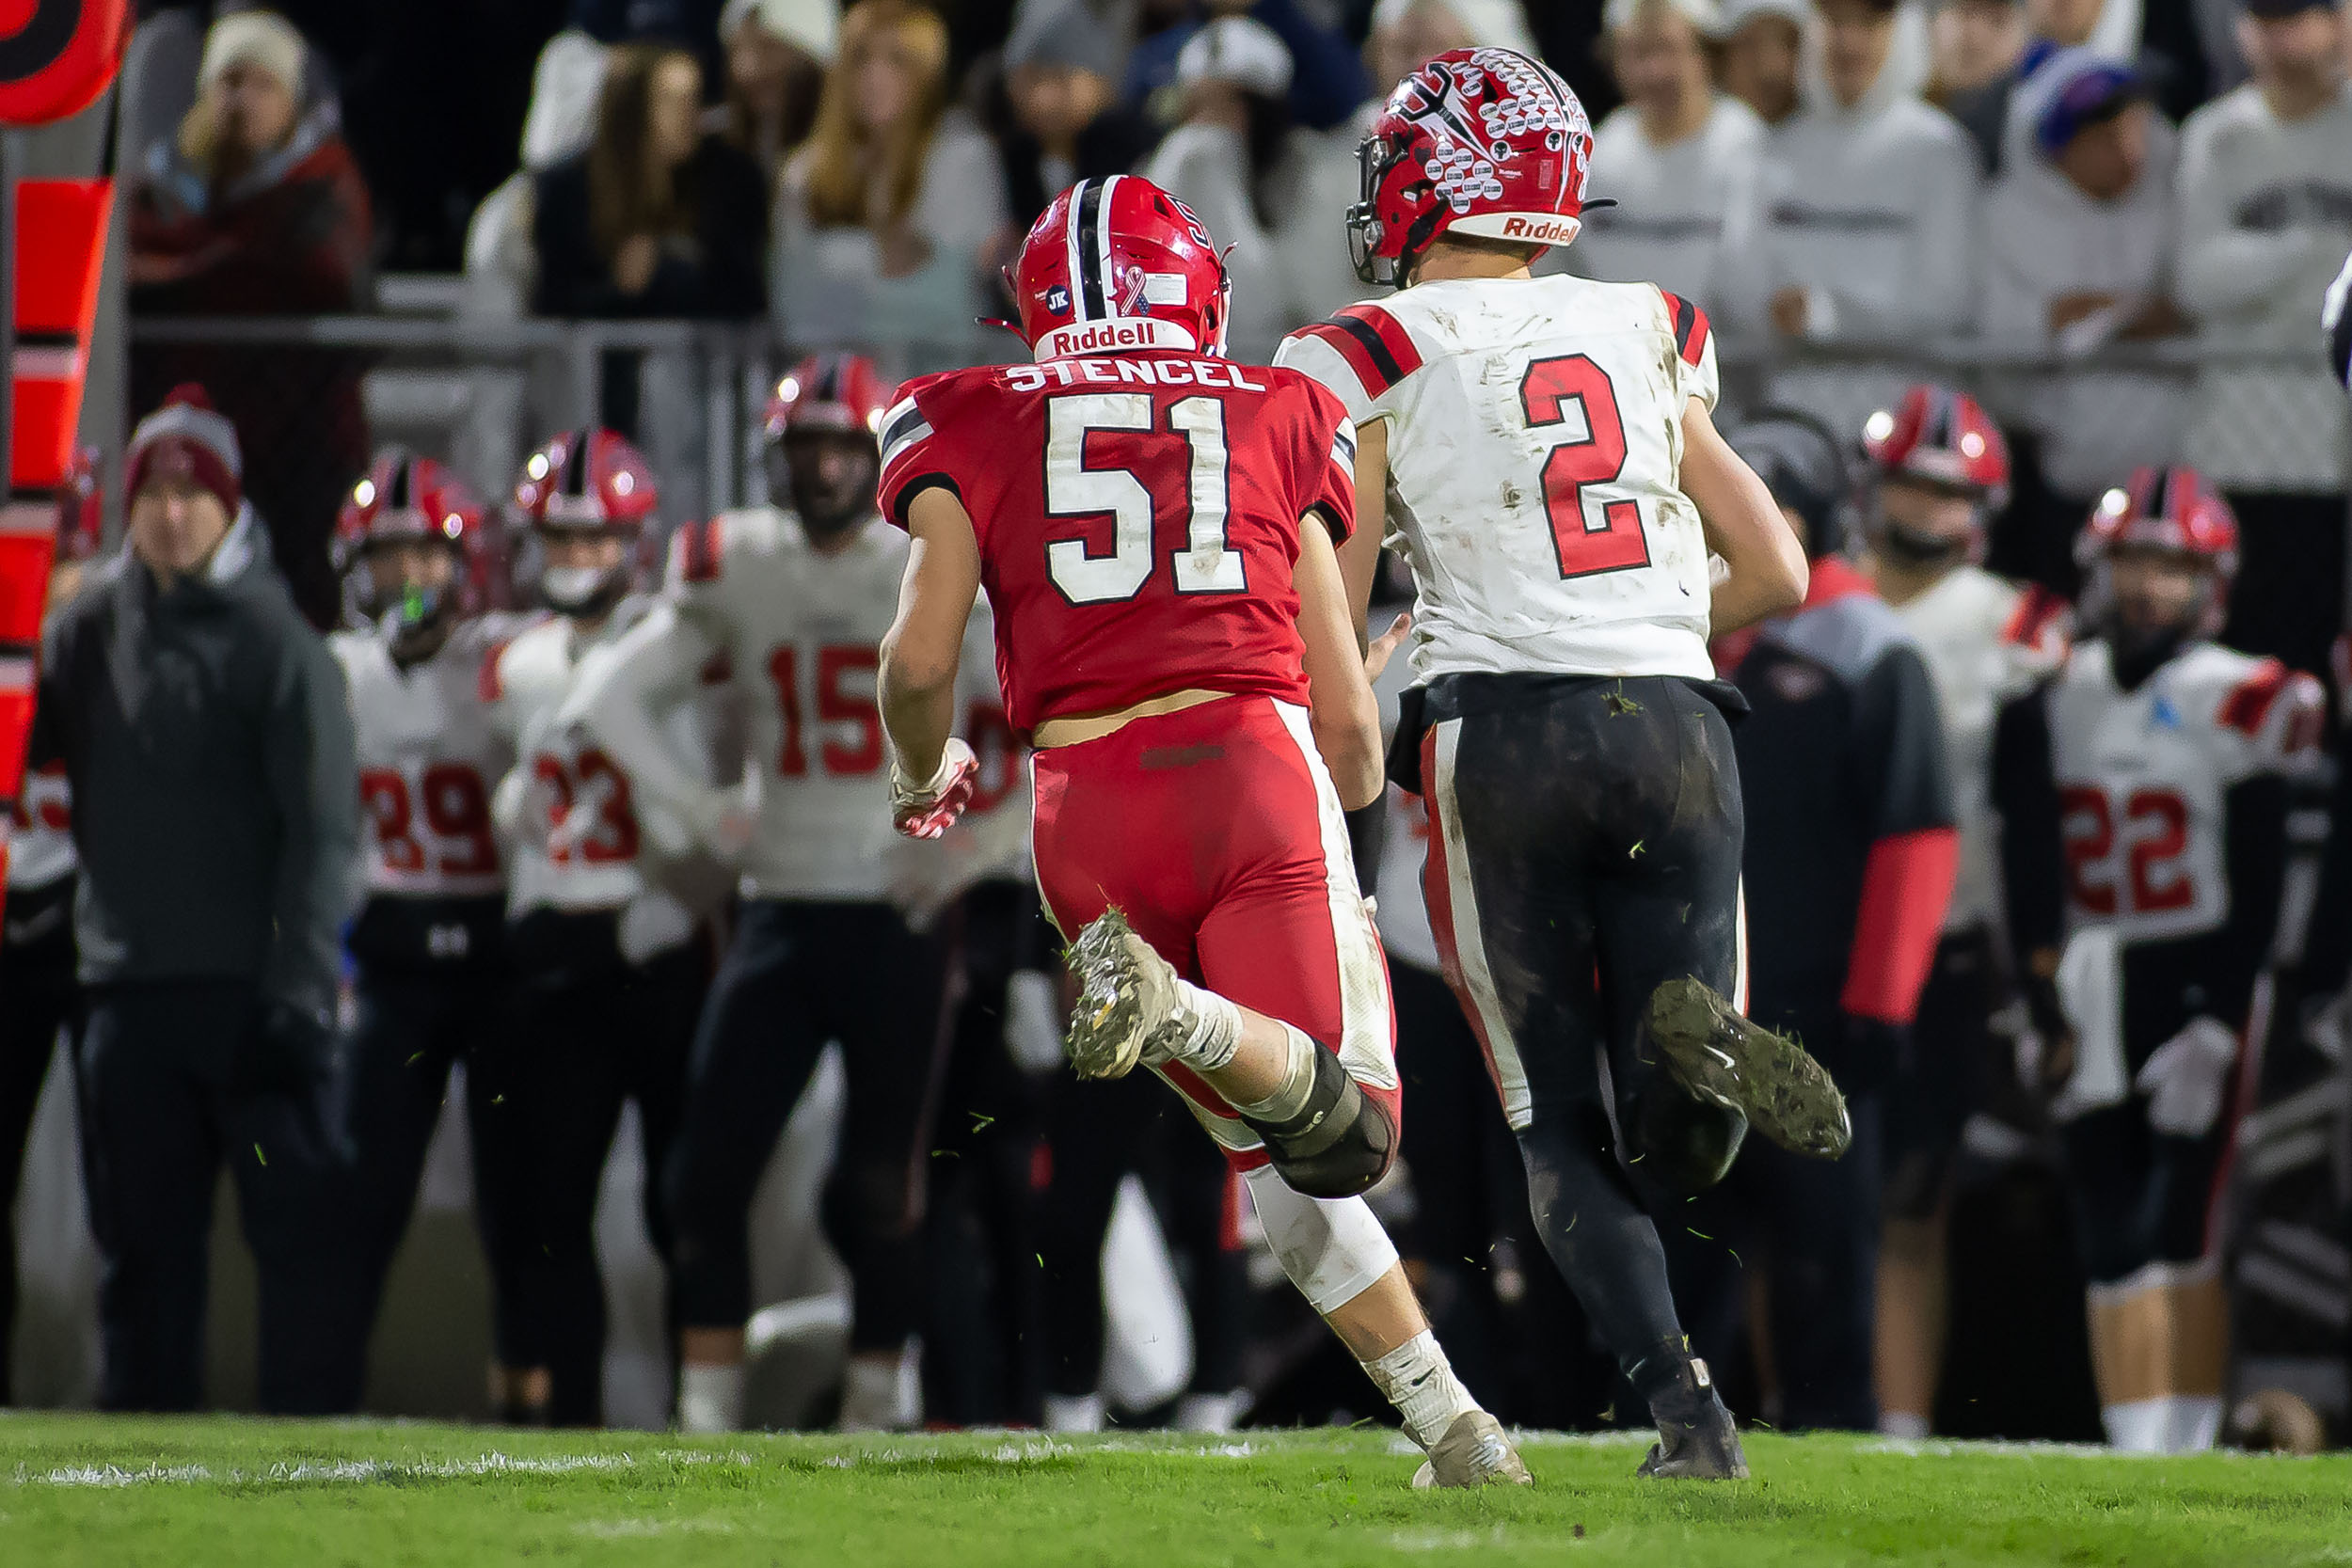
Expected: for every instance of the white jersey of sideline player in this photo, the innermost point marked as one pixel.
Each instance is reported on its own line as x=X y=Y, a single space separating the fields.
x=41 y=829
x=1534 y=453
x=580 y=835
x=1986 y=640
x=430 y=758
x=802 y=632
x=2142 y=776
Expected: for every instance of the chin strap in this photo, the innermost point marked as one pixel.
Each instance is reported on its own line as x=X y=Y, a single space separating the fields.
x=1914 y=550
x=2138 y=656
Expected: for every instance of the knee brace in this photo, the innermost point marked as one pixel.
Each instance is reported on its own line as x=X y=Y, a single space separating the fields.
x=1332 y=1250
x=1687 y=1144
x=1339 y=1144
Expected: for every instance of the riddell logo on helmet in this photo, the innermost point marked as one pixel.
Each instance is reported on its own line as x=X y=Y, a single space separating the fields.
x=1106 y=337
x=1542 y=231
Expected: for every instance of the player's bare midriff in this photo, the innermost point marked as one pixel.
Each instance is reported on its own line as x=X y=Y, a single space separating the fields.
x=1094 y=726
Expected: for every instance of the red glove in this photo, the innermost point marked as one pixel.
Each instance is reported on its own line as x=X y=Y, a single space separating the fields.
x=927 y=810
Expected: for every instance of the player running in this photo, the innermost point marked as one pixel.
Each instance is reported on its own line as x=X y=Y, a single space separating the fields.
x=1939 y=470
x=428 y=945
x=607 y=977
x=1155 y=526
x=1558 y=487
x=2144 y=796
x=795 y=602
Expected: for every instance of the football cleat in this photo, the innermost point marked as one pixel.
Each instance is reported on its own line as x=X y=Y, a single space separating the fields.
x=1716 y=1054
x=1697 y=1439
x=1472 y=1452
x=1129 y=1010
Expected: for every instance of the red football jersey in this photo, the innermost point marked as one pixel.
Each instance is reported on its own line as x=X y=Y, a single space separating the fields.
x=1138 y=516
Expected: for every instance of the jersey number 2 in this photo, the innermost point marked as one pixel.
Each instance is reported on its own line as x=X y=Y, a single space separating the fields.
x=1612 y=541
x=1207 y=565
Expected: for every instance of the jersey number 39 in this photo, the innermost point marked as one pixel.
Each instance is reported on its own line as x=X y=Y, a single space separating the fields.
x=1612 y=539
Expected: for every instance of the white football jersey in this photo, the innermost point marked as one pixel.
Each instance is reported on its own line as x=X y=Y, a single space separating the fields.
x=41 y=829
x=579 y=837
x=1534 y=453
x=1985 y=641
x=2142 y=777
x=1402 y=913
x=429 y=759
x=802 y=630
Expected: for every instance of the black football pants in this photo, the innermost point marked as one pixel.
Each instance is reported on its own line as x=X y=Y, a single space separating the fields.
x=38 y=997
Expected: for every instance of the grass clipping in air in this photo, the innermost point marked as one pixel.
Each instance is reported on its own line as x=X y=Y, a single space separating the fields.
x=81 y=1490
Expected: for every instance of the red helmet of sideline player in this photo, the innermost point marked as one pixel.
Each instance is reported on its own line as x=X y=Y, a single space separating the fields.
x=1482 y=142
x=403 y=503
x=1941 y=469
x=2169 y=517
x=587 y=494
x=824 y=446
x=1118 y=263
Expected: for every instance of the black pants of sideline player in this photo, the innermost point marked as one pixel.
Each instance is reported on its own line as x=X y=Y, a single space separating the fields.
x=429 y=992
x=1586 y=845
x=586 y=1031
x=164 y=1102
x=796 y=975
x=38 y=997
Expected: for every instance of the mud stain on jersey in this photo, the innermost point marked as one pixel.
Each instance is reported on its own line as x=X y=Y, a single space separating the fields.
x=1512 y=497
x=1159 y=758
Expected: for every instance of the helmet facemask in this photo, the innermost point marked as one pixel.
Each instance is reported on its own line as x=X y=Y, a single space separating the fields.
x=388 y=586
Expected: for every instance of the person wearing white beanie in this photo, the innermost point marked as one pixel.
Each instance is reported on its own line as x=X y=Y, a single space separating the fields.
x=1678 y=158
x=1230 y=161
x=776 y=55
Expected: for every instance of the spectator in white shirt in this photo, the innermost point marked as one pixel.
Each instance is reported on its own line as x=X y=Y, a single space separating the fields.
x=1678 y=158
x=2076 y=257
x=2265 y=213
x=1869 y=231
x=1763 y=43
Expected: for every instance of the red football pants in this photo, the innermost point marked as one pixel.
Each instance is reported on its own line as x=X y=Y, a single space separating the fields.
x=1217 y=830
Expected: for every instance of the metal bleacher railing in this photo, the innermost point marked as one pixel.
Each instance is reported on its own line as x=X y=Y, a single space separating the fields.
x=480 y=392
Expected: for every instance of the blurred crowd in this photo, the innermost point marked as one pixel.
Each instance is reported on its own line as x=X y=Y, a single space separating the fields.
x=2066 y=180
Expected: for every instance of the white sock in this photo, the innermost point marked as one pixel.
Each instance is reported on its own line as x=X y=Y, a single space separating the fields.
x=1903 y=1424
x=711 y=1399
x=2192 y=1423
x=1210 y=1411
x=1216 y=1032
x=1420 y=1382
x=1074 y=1412
x=883 y=1396
x=2135 y=1426
x=1298 y=1081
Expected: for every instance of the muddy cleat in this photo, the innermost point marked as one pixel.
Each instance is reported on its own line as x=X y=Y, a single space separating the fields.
x=1128 y=1008
x=1716 y=1054
x=1472 y=1452
x=1697 y=1439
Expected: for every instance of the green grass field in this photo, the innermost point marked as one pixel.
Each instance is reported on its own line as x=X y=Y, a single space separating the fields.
x=80 y=1490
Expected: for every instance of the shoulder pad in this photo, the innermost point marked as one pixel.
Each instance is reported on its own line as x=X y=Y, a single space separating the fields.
x=1372 y=343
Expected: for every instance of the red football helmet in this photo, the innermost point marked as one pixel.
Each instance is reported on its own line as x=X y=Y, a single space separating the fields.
x=828 y=391
x=2171 y=510
x=1486 y=142
x=81 y=508
x=1943 y=440
x=586 y=479
x=586 y=482
x=404 y=496
x=1119 y=264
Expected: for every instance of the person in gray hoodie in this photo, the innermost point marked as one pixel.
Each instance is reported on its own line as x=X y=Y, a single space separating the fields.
x=204 y=729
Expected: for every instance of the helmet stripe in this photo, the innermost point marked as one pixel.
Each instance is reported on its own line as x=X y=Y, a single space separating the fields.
x=574 y=480
x=1075 y=258
x=397 y=497
x=1093 y=251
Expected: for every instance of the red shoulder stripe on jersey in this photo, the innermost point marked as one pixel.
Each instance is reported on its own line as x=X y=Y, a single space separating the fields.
x=1690 y=329
x=1395 y=352
x=701 y=551
x=2036 y=612
x=1345 y=342
x=2244 y=708
x=487 y=683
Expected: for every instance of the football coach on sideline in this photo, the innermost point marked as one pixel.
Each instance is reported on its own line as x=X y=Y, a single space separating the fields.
x=205 y=729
